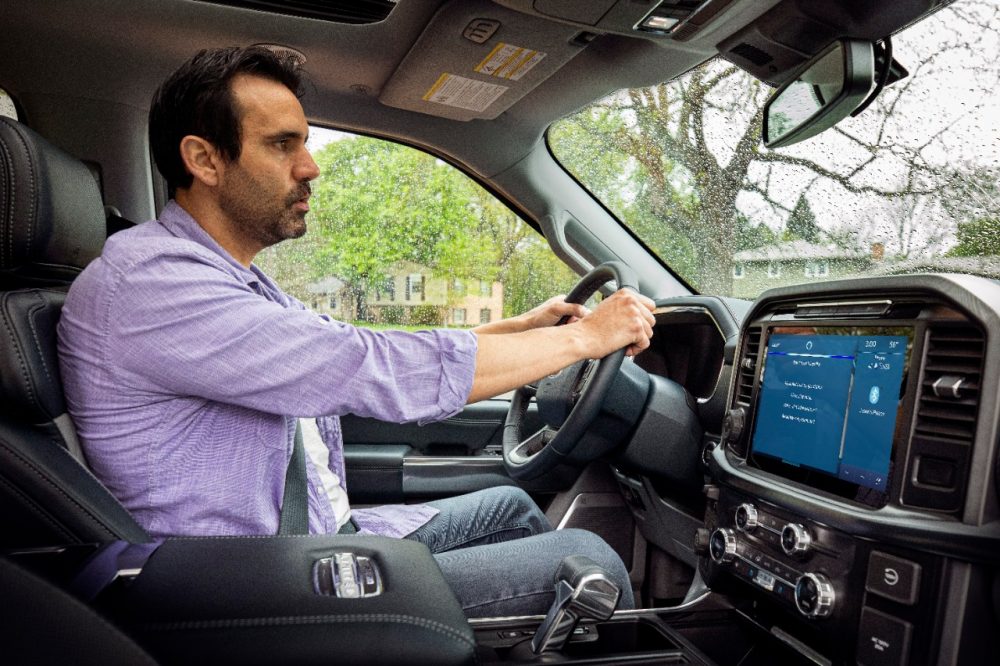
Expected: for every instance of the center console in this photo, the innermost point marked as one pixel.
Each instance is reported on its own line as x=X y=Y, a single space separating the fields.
x=846 y=498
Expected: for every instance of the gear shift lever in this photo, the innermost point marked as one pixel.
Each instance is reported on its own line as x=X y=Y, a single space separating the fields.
x=584 y=590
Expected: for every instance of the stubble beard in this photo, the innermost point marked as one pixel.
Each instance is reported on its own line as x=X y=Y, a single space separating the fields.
x=248 y=203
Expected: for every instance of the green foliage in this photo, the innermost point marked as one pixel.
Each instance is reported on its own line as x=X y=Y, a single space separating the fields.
x=751 y=236
x=533 y=276
x=426 y=315
x=802 y=222
x=976 y=238
x=379 y=204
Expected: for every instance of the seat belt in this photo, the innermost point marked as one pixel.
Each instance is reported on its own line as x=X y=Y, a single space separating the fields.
x=295 y=503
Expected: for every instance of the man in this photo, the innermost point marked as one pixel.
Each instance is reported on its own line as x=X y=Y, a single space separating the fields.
x=188 y=372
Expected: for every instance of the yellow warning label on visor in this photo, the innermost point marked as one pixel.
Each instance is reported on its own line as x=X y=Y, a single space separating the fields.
x=507 y=61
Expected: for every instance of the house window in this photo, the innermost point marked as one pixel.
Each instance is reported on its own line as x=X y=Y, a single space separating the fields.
x=414 y=286
x=739 y=271
x=458 y=286
x=458 y=316
x=817 y=268
x=315 y=304
x=333 y=302
x=485 y=288
x=386 y=290
x=773 y=269
x=484 y=316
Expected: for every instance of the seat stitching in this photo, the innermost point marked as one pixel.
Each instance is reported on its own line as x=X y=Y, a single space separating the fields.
x=292 y=620
x=22 y=366
x=32 y=313
x=13 y=189
x=33 y=468
x=29 y=503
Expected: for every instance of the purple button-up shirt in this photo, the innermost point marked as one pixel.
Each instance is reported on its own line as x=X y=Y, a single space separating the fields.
x=184 y=372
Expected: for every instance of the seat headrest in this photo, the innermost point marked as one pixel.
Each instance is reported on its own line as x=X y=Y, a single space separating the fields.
x=52 y=220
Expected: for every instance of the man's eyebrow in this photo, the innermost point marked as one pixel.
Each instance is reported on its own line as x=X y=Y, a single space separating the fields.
x=287 y=134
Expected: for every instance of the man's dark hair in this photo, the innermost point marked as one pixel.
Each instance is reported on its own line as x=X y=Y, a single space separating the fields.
x=198 y=100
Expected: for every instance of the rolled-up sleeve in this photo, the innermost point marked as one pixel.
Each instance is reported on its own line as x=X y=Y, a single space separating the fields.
x=186 y=326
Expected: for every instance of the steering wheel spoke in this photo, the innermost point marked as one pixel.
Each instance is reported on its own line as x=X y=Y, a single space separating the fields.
x=567 y=402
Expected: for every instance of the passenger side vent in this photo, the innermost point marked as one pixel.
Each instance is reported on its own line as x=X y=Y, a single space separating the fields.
x=949 y=388
x=336 y=11
x=945 y=420
x=748 y=366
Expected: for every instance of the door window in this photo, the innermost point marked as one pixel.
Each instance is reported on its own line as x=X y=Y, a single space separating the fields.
x=400 y=239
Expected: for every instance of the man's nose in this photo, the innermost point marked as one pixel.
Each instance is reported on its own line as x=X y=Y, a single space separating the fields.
x=306 y=169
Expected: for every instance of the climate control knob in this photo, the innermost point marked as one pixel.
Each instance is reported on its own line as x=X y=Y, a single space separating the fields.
x=746 y=517
x=795 y=540
x=814 y=595
x=722 y=545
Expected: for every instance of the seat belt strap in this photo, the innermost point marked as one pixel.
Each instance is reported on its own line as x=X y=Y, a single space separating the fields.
x=295 y=503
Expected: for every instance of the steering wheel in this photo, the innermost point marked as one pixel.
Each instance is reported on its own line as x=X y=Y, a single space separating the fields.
x=569 y=400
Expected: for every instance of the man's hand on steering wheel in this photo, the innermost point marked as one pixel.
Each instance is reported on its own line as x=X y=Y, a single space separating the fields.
x=624 y=319
x=552 y=312
x=570 y=400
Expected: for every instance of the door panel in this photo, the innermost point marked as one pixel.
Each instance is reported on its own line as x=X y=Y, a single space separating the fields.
x=389 y=462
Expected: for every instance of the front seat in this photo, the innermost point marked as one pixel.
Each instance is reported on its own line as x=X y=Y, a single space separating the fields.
x=52 y=225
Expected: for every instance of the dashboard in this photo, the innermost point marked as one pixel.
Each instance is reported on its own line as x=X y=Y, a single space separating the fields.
x=850 y=496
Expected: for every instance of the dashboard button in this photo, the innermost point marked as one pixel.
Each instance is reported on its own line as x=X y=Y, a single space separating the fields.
x=882 y=639
x=722 y=545
x=814 y=595
x=893 y=578
x=795 y=539
x=746 y=518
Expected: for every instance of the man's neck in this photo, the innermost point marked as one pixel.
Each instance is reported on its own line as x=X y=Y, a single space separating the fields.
x=216 y=224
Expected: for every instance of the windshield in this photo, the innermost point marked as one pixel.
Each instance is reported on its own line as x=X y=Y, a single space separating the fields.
x=909 y=185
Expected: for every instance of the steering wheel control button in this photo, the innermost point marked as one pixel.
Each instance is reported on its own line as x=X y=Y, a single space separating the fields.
x=882 y=639
x=746 y=518
x=814 y=596
x=893 y=578
x=795 y=540
x=722 y=545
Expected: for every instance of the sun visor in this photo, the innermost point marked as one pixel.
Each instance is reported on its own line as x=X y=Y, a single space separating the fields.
x=476 y=59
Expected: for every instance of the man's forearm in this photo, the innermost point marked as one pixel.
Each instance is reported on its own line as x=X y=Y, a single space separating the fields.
x=505 y=362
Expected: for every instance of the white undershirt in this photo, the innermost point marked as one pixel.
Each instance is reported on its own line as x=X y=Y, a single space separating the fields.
x=319 y=455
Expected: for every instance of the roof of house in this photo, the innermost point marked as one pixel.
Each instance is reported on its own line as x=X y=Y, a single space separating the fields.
x=798 y=250
x=328 y=285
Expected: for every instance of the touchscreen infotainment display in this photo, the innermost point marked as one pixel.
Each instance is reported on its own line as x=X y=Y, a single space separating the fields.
x=829 y=399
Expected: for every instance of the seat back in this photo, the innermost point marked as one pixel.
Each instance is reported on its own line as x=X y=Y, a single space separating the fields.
x=52 y=225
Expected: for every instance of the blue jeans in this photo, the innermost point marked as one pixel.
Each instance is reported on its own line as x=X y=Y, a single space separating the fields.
x=499 y=553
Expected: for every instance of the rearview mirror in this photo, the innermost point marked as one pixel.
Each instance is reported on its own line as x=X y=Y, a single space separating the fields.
x=824 y=92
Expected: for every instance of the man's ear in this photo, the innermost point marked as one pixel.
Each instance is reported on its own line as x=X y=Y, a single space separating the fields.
x=202 y=159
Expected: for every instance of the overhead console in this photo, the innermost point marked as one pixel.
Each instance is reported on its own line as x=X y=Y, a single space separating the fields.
x=855 y=486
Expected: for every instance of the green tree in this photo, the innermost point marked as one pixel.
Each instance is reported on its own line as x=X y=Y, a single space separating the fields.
x=802 y=222
x=976 y=238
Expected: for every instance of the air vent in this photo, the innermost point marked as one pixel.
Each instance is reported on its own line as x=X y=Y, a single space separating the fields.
x=336 y=11
x=945 y=427
x=949 y=390
x=748 y=366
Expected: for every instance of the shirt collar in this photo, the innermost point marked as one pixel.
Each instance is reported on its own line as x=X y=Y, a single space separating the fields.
x=179 y=222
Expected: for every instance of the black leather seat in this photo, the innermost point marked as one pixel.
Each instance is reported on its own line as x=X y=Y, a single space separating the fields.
x=52 y=225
